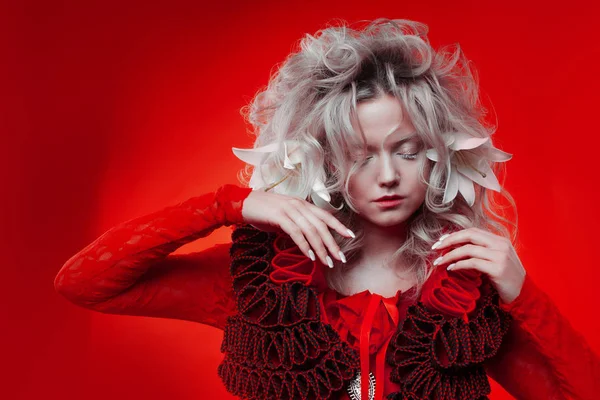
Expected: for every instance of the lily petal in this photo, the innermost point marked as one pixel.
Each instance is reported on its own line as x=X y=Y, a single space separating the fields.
x=451 y=185
x=498 y=155
x=321 y=203
x=319 y=189
x=254 y=156
x=287 y=163
x=463 y=141
x=258 y=180
x=448 y=138
x=293 y=153
x=432 y=154
x=465 y=186
x=490 y=181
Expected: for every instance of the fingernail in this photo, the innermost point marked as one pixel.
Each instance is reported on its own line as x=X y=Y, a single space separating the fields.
x=311 y=254
x=351 y=234
x=437 y=261
x=439 y=242
x=451 y=266
x=329 y=261
x=342 y=256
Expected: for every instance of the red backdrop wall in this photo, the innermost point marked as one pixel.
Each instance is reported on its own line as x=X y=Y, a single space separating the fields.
x=111 y=110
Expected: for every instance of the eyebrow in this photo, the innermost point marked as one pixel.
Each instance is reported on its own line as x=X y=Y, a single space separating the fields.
x=397 y=142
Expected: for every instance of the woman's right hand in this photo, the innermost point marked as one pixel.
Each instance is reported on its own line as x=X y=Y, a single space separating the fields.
x=306 y=224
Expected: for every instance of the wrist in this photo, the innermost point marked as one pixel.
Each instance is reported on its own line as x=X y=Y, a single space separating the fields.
x=229 y=200
x=521 y=298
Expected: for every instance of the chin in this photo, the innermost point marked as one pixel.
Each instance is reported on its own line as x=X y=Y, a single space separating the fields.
x=391 y=222
x=388 y=220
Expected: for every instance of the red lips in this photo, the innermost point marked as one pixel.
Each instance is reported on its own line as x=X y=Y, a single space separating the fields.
x=390 y=197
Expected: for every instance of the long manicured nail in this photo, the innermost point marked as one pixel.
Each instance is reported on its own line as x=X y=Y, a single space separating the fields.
x=439 y=242
x=311 y=254
x=451 y=266
x=351 y=234
x=342 y=256
x=329 y=261
x=437 y=260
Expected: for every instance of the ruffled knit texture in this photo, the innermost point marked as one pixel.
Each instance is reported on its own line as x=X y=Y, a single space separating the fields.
x=436 y=357
x=276 y=347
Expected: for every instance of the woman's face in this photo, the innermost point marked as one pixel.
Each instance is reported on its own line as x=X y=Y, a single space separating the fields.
x=390 y=166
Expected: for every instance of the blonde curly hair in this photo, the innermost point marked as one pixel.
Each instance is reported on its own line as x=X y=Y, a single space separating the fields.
x=312 y=98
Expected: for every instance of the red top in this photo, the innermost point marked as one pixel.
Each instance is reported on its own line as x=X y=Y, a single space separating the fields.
x=368 y=320
x=130 y=270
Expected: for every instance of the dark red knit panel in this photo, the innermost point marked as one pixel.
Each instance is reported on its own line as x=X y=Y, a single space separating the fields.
x=436 y=357
x=276 y=347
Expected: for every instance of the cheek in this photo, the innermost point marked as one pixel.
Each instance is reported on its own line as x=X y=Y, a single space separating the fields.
x=428 y=167
x=357 y=186
x=418 y=187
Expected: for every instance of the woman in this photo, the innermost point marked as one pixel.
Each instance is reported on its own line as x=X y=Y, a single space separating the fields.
x=367 y=259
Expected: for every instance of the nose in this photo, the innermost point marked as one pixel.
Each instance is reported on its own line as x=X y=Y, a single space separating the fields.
x=387 y=175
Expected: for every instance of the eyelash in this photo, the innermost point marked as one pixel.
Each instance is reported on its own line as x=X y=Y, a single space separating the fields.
x=405 y=156
x=409 y=156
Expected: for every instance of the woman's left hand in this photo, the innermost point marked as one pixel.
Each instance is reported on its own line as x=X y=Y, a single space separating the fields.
x=491 y=254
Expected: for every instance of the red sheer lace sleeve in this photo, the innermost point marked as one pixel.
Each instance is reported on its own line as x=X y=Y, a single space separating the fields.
x=129 y=269
x=544 y=357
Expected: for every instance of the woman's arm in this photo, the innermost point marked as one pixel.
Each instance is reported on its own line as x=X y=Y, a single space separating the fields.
x=129 y=269
x=543 y=356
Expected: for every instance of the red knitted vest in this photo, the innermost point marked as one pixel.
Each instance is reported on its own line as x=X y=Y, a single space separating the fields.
x=276 y=346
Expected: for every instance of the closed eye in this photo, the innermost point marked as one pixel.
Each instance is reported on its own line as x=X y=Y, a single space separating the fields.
x=408 y=156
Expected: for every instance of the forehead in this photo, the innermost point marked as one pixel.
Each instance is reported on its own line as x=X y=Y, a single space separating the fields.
x=382 y=122
x=391 y=141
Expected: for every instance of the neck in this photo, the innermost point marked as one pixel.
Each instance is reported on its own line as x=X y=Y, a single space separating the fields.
x=381 y=242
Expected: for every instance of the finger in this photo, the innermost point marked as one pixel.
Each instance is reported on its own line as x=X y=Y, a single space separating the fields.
x=296 y=234
x=473 y=235
x=326 y=236
x=331 y=221
x=484 y=266
x=467 y=251
x=310 y=232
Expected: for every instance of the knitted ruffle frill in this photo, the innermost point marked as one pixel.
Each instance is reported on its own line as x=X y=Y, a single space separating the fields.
x=436 y=357
x=277 y=347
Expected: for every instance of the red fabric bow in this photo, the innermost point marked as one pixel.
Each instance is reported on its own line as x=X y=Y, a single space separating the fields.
x=347 y=314
x=367 y=321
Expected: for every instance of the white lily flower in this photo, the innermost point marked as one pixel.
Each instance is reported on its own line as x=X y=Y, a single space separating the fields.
x=468 y=163
x=293 y=160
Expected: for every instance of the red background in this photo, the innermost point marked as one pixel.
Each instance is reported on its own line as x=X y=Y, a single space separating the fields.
x=111 y=110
